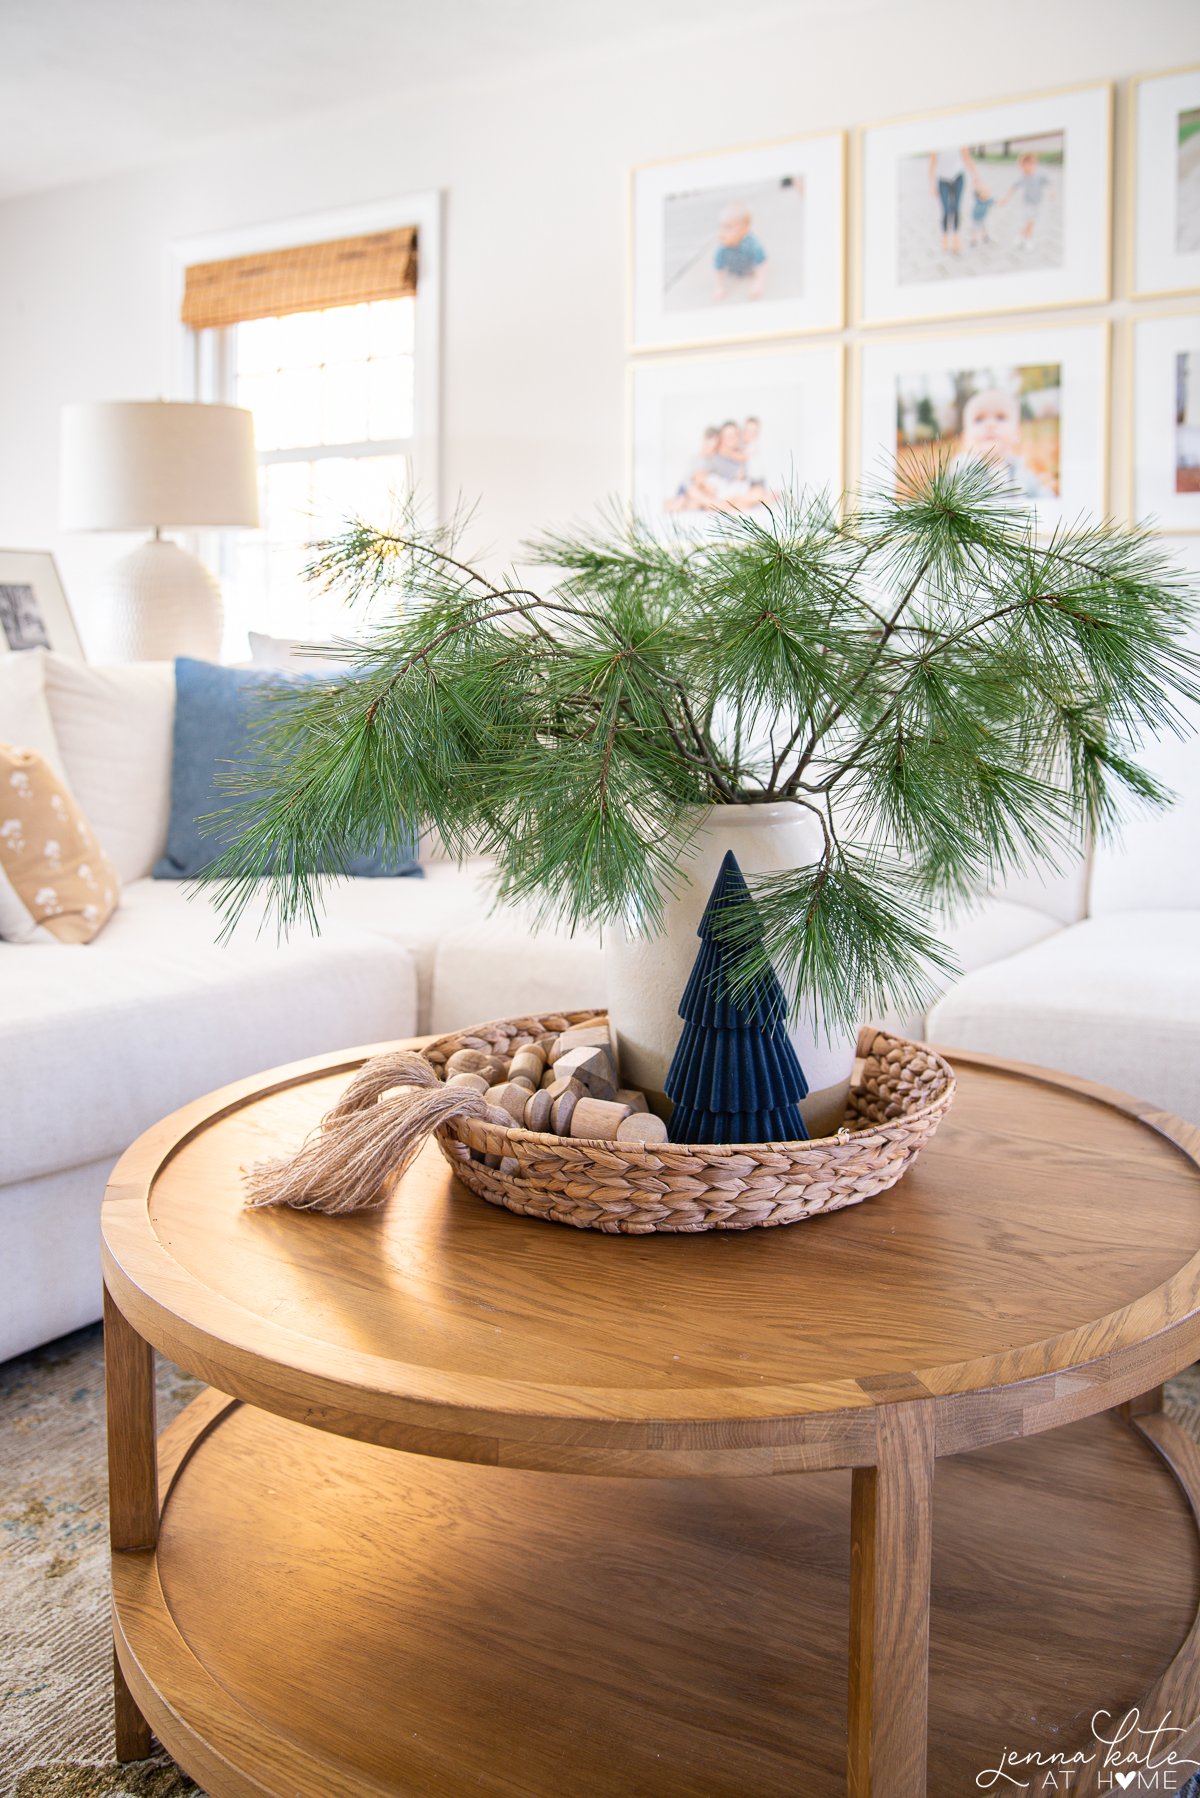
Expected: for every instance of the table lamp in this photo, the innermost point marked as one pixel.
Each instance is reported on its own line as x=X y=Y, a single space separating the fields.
x=157 y=464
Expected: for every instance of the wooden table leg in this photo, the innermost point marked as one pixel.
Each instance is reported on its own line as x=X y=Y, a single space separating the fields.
x=132 y=1483
x=891 y=1542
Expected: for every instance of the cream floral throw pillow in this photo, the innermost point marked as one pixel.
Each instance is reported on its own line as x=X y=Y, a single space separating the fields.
x=56 y=883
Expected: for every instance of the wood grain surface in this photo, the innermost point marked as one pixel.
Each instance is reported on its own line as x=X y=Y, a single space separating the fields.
x=1038 y=1263
x=330 y=1618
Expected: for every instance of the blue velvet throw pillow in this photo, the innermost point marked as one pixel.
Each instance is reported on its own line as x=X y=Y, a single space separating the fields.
x=217 y=711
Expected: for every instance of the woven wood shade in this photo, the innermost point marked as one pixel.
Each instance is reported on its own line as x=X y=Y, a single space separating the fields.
x=379 y=266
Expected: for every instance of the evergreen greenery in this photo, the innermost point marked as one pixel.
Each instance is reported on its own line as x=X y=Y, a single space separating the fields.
x=951 y=697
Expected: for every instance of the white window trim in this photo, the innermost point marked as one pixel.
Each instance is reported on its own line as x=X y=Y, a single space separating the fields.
x=200 y=355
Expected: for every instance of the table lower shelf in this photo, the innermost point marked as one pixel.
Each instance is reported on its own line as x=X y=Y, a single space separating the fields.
x=325 y=1618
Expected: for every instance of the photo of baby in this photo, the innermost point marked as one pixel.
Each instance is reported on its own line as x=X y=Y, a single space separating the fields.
x=1187 y=206
x=729 y=245
x=1008 y=416
x=726 y=474
x=1187 y=421
x=984 y=209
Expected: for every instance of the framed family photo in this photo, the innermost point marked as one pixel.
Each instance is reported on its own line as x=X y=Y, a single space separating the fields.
x=34 y=613
x=1166 y=422
x=741 y=244
x=1033 y=403
x=718 y=434
x=984 y=209
x=1166 y=183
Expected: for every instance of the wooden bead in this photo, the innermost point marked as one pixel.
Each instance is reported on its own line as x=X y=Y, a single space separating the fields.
x=549 y=1077
x=641 y=1126
x=593 y=1068
x=597 y=1117
x=495 y=1115
x=528 y=1063
x=547 y=1042
x=478 y=1083
x=509 y=1098
x=523 y=1080
x=562 y=1108
x=628 y=1095
x=469 y=1061
x=537 y=1111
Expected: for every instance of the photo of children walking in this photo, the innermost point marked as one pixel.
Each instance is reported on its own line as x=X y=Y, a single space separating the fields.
x=727 y=245
x=983 y=209
x=1008 y=416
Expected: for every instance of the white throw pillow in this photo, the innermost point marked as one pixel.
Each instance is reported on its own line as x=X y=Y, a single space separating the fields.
x=114 y=729
x=24 y=712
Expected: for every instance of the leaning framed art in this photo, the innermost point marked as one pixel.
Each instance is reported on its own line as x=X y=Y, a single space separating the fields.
x=984 y=209
x=715 y=434
x=1166 y=422
x=739 y=244
x=1166 y=183
x=1032 y=402
x=34 y=613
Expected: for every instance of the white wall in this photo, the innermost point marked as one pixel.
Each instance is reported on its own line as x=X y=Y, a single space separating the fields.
x=534 y=172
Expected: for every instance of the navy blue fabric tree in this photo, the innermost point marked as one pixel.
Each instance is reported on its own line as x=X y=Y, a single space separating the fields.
x=734 y=1076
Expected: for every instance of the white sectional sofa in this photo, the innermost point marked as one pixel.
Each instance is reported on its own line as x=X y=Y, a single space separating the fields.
x=1098 y=973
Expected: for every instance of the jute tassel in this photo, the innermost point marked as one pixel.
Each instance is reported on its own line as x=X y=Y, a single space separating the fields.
x=359 y=1149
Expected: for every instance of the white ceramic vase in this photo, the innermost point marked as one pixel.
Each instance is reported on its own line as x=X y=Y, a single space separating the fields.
x=646 y=976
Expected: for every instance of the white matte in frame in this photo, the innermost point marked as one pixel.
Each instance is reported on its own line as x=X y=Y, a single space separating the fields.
x=1084 y=115
x=1080 y=351
x=1164 y=190
x=1160 y=436
x=820 y=161
x=797 y=392
x=37 y=569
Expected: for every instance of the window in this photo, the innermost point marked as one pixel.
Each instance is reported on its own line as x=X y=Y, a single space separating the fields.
x=332 y=395
x=343 y=395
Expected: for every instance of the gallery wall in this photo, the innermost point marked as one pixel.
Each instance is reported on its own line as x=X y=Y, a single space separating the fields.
x=534 y=170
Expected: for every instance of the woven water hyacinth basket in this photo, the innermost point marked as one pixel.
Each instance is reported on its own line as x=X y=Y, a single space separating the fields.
x=899 y=1092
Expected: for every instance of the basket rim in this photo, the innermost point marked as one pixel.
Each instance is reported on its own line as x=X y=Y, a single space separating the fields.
x=868 y=1035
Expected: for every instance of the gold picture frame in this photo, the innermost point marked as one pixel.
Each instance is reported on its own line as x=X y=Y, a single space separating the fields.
x=1086 y=282
x=647 y=327
x=654 y=375
x=1137 y=215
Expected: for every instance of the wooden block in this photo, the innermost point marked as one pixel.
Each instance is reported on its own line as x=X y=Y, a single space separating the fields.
x=537 y=1112
x=597 y=1117
x=593 y=1068
x=628 y=1095
x=509 y=1098
x=478 y=1083
x=528 y=1063
x=562 y=1109
x=641 y=1126
x=584 y=1036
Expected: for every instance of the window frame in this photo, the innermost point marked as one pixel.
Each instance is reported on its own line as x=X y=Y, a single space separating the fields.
x=203 y=360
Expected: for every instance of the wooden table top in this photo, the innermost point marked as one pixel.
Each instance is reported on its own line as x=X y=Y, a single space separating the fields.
x=1040 y=1262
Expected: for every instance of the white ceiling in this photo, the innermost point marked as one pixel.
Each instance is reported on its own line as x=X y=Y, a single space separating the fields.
x=90 y=87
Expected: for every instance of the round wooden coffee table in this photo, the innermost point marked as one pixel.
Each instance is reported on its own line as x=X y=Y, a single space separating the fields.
x=375 y=1568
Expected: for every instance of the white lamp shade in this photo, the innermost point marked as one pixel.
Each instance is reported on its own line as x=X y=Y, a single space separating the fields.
x=141 y=464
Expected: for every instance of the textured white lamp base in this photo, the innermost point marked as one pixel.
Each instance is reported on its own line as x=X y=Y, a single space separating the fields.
x=156 y=604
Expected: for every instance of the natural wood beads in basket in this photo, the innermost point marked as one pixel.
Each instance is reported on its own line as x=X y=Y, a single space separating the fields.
x=898 y=1095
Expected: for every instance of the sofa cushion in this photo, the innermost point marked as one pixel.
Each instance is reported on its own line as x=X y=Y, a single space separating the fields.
x=1156 y=862
x=97 y=1043
x=114 y=728
x=498 y=966
x=1115 y=999
x=56 y=883
x=25 y=719
x=989 y=931
x=218 y=717
x=416 y=914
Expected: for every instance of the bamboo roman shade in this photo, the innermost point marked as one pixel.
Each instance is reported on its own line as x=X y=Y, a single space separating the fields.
x=379 y=266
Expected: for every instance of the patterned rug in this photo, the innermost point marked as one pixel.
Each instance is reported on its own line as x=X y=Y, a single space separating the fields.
x=55 y=1646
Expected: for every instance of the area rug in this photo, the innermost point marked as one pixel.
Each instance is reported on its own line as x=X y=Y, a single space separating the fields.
x=55 y=1645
